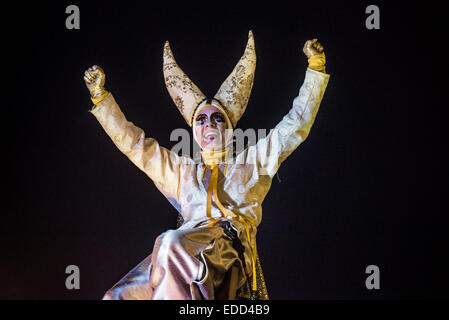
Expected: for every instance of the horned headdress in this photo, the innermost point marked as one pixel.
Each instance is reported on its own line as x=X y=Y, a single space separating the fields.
x=232 y=96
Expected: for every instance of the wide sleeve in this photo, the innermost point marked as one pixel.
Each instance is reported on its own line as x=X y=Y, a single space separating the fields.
x=160 y=164
x=270 y=151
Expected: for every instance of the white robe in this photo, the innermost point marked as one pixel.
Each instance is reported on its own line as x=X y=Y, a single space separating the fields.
x=242 y=191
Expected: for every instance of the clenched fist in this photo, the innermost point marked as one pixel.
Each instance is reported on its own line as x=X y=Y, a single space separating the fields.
x=95 y=79
x=312 y=47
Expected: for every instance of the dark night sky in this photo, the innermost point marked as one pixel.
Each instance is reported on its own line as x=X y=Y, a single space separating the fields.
x=363 y=189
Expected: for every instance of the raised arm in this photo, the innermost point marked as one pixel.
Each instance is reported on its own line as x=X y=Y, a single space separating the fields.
x=294 y=128
x=160 y=164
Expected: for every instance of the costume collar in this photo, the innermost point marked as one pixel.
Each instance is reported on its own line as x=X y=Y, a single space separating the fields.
x=214 y=157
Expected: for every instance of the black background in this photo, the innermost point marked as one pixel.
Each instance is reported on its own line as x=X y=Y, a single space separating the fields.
x=364 y=188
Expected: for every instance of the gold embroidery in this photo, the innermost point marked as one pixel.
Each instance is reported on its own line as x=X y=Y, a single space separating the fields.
x=236 y=89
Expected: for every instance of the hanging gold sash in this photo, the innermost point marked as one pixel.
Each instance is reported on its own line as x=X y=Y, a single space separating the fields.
x=213 y=159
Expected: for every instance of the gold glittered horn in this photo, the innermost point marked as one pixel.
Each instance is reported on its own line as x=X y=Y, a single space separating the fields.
x=183 y=91
x=235 y=91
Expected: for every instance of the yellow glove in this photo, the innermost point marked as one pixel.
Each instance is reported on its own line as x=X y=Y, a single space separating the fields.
x=317 y=62
x=95 y=78
x=315 y=53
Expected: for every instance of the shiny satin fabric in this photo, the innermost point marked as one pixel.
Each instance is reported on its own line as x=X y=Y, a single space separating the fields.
x=242 y=190
x=186 y=264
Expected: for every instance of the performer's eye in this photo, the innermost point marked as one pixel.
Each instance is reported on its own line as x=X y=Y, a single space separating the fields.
x=218 y=117
x=200 y=120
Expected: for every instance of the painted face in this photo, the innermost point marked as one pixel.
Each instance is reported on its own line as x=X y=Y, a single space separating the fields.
x=210 y=128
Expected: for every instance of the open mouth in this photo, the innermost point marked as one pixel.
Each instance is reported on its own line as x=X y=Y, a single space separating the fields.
x=210 y=136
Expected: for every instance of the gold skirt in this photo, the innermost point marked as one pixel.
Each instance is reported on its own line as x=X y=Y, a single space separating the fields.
x=186 y=264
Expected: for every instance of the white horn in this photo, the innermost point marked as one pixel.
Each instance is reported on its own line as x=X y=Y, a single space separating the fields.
x=183 y=91
x=235 y=91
